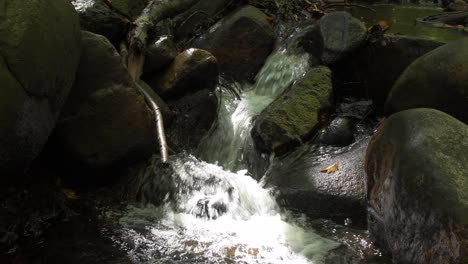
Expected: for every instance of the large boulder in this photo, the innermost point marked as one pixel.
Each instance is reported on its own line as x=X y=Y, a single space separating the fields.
x=337 y=196
x=378 y=64
x=241 y=42
x=293 y=116
x=105 y=119
x=334 y=37
x=97 y=17
x=191 y=70
x=40 y=46
x=417 y=187
x=437 y=80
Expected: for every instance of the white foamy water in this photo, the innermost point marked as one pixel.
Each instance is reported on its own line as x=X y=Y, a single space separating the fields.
x=250 y=230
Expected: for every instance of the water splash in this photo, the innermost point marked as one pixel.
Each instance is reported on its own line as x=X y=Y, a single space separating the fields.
x=251 y=229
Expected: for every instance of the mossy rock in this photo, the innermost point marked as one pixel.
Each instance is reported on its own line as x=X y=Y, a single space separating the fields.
x=438 y=80
x=40 y=46
x=293 y=116
x=417 y=187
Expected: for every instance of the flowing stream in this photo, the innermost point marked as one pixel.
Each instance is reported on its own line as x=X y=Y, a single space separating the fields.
x=218 y=212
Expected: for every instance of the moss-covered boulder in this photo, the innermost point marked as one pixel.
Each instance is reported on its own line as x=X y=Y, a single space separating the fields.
x=417 y=187
x=40 y=45
x=439 y=80
x=241 y=42
x=105 y=119
x=296 y=114
x=97 y=17
x=334 y=36
x=191 y=70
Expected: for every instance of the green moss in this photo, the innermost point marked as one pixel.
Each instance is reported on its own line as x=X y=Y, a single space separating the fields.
x=296 y=112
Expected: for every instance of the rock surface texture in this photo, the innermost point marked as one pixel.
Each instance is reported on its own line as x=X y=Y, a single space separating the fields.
x=241 y=42
x=191 y=70
x=378 y=65
x=294 y=115
x=106 y=118
x=98 y=18
x=195 y=114
x=334 y=37
x=336 y=196
x=417 y=187
x=437 y=80
x=40 y=46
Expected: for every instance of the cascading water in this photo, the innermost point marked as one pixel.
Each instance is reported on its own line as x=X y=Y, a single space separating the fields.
x=230 y=143
x=218 y=215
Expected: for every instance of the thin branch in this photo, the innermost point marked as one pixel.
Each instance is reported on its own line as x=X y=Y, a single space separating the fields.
x=159 y=124
x=349 y=4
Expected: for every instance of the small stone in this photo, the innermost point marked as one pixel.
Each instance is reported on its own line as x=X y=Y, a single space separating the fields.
x=191 y=71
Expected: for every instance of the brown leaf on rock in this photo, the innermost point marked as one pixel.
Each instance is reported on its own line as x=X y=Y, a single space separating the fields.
x=330 y=169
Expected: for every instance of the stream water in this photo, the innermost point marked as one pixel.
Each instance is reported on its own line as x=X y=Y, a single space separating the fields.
x=219 y=212
x=402 y=20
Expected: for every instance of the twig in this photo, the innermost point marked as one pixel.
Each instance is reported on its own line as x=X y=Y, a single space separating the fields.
x=349 y=4
x=159 y=124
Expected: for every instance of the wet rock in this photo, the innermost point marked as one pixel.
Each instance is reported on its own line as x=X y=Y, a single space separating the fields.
x=131 y=8
x=340 y=132
x=105 y=119
x=159 y=54
x=241 y=42
x=98 y=18
x=191 y=70
x=334 y=37
x=377 y=66
x=355 y=109
x=201 y=13
x=293 y=116
x=40 y=46
x=417 y=187
x=436 y=80
x=194 y=115
x=337 y=196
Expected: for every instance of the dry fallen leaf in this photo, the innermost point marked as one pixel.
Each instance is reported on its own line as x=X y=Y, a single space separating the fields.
x=330 y=169
x=69 y=194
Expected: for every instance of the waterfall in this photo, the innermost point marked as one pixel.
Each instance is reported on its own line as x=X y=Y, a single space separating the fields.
x=218 y=212
x=230 y=144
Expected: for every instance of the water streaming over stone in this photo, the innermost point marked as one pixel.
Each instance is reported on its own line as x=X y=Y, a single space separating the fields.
x=218 y=213
x=229 y=144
